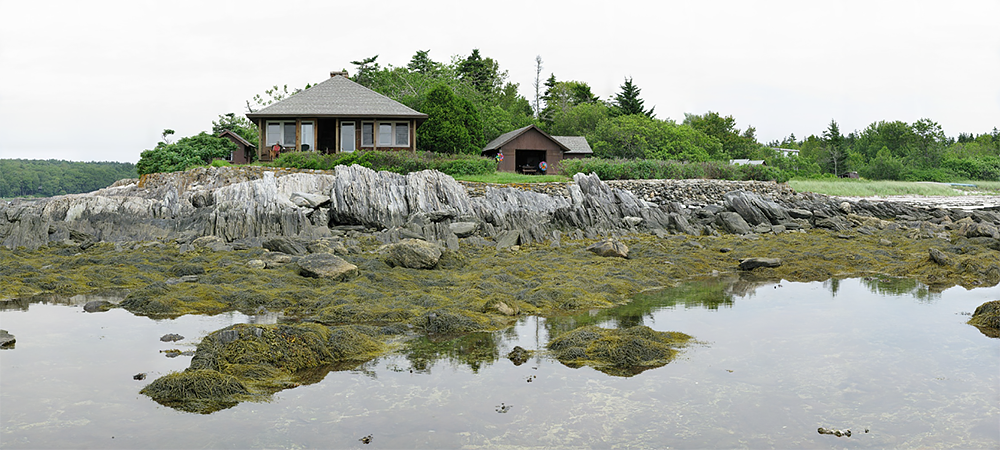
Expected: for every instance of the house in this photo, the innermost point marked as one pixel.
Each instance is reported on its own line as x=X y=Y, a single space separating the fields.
x=748 y=162
x=525 y=149
x=244 y=149
x=786 y=151
x=337 y=115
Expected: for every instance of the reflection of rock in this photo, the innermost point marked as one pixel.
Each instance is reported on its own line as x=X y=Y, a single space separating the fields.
x=621 y=352
x=987 y=318
x=6 y=339
x=519 y=355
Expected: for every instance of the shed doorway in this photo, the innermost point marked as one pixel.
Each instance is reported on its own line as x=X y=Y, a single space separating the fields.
x=527 y=161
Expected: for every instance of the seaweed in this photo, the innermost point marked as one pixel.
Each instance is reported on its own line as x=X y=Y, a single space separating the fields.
x=621 y=352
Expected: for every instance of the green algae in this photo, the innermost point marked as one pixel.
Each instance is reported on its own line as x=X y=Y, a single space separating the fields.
x=987 y=318
x=621 y=352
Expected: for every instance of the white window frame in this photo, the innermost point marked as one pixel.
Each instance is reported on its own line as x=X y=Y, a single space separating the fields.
x=388 y=136
x=395 y=134
x=312 y=142
x=353 y=125
x=392 y=141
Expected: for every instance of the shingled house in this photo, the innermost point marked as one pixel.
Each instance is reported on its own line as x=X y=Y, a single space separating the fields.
x=524 y=149
x=337 y=115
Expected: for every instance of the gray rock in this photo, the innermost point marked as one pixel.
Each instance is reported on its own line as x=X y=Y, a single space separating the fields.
x=732 y=222
x=940 y=257
x=463 y=229
x=285 y=245
x=331 y=245
x=796 y=213
x=326 y=265
x=508 y=239
x=171 y=337
x=753 y=263
x=256 y=264
x=307 y=200
x=6 y=339
x=97 y=306
x=835 y=223
x=609 y=248
x=754 y=209
x=412 y=253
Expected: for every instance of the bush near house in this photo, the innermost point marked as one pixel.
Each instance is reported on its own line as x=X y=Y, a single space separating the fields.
x=396 y=162
x=636 y=169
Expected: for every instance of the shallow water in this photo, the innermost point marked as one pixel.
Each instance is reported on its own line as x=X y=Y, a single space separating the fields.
x=774 y=364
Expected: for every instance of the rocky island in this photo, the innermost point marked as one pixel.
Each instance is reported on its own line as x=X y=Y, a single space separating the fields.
x=357 y=262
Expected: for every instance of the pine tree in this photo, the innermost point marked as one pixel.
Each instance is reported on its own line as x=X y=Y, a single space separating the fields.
x=627 y=102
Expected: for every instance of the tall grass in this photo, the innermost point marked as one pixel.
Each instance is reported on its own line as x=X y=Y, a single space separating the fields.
x=868 y=188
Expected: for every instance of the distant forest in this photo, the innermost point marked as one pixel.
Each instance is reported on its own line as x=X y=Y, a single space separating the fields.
x=45 y=178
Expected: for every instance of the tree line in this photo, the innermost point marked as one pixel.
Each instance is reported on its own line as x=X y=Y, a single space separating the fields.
x=45 y=178
x=469 y=101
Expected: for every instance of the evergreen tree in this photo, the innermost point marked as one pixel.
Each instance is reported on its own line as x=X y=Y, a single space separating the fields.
x=627 y=102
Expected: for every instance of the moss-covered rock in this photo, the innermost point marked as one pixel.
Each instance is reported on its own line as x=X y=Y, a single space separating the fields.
x=199 y=391
x=621 y=352
x=987 y=318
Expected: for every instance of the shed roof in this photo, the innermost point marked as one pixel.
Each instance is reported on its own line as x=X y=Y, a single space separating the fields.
x=236 y=137
x=338 y=97
x=503 y=139
x=577 y=144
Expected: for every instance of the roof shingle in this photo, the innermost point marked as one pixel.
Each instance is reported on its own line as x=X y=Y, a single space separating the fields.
x=338 y=97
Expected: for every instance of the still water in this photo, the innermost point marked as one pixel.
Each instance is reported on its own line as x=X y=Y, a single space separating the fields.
x=774 y=362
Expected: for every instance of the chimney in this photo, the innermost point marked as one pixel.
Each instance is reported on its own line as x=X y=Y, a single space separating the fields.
x=342 y=73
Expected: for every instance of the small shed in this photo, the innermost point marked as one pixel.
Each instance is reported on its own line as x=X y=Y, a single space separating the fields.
x=244 y=150
x=747 y=162
x=525 y=149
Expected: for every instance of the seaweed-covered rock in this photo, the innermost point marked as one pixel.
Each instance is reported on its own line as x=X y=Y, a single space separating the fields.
x=199 y=391
x=987 y=318
x=326 y=265
x=621 y=352
x=519 y=355
x=285 y=245
x=412 y=253
x=97 y=306
x=608 y=248
x=6 y=339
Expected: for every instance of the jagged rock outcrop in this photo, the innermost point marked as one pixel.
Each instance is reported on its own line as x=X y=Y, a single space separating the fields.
x=242 y=207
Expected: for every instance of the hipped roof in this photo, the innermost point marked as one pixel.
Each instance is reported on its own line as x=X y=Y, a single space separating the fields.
x=338 y=97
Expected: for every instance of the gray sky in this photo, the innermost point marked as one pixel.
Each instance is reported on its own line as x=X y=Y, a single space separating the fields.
x=99 y=80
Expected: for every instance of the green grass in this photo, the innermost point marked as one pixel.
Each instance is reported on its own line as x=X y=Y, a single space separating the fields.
x=508 y=178
x=868 y=188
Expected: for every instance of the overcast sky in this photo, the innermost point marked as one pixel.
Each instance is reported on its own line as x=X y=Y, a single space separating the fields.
x=99 y=80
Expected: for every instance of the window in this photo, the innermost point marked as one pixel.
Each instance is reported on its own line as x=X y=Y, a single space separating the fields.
x=284 y=133
x=308 y=134
x=273 y=133
x=288 y=135
x=384 y=134
x=347 y=137
x=367 y=134
x=402 y=135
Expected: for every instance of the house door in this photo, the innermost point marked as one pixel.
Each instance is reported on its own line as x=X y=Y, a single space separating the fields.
x=347 y=137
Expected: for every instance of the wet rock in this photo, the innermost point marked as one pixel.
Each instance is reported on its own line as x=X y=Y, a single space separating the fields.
x=285 y=245
x=412 y=253
x=331 y=245
x=753 y=263
x=797 y=213
x=326 y=265
x=97 y=306
x=172 y=337
x=609 y=248
x=940 y=257
x=6 y=339
x=835 y=223
x=256 y=264
x=139 y=376
x=754 y=209
x=519 y=355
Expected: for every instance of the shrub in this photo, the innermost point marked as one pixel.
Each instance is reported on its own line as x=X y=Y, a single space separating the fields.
x=401 y=162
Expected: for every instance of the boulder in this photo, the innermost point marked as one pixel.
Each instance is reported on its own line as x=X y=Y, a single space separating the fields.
x=608 y=248
x=307 y=200
x=463 y=229
x=754 y=209
x=327 y=246
x=508 y=239
x=326 y=265
x=171 y=337
x=987 y=318
x=940 y=257
x=731 y=222
x=413 y=254
x=213 y=243
x=285 y=245
x=753 y=263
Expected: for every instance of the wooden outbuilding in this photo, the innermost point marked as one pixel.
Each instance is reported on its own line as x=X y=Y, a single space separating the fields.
x=244 y=150
x=530 y=150
x=337 y=115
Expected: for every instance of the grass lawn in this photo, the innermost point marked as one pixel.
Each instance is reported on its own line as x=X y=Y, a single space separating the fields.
x=511 y=178
x=867 y=188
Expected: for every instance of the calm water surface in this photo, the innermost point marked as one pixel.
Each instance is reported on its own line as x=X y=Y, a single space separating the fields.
x=775 y=362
